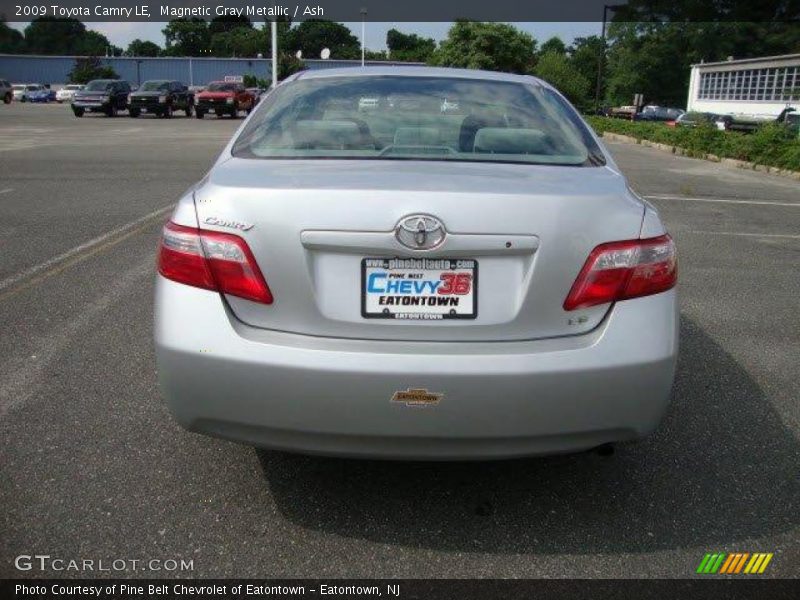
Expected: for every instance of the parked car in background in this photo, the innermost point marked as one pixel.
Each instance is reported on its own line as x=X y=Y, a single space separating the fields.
x=448 y=314
x=694 y=118
x=37 y=93
x=750 y=122
x=658 y=113
x=224 y=98
x=25 y=92
x=258 y=93
x=67 y=93
x=162 y=98
x=19 y=92
x=6 y=91
x=107 y=96
x=621 y=112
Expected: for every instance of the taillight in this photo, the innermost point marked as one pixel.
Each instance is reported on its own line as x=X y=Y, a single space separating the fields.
x=213 y=261
x=623 y=270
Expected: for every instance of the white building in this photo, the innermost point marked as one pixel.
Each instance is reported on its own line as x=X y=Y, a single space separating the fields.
x=757 y=88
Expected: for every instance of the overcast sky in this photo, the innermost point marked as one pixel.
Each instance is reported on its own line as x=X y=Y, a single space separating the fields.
x=121 y=34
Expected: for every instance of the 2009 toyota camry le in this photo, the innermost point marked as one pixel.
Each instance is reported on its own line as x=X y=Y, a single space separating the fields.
x=422 y=263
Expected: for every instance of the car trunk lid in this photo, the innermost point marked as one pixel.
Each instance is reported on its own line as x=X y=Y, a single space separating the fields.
x=311 y=223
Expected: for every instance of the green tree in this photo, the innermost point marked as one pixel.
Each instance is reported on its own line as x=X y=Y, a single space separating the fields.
x=89 y=68
x=92 y=43
x=226 y=24
x=241 y=41
x=556 y=69
x=187 y=37
x=49 y=35
x=409 y=47
x=584 y=53
x=554 y=45
x=313 y=35
x=11 y=40
x=143 y=48
x=490 y=46
x=654 y=58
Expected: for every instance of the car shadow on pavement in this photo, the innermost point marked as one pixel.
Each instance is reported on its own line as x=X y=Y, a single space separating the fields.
x=722 y=467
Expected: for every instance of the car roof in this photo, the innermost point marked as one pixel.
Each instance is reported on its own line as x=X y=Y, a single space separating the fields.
x=442 y=72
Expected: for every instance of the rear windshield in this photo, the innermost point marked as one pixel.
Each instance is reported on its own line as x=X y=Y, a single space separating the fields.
x=418 y=118
x=221 y=87
x=154 y=86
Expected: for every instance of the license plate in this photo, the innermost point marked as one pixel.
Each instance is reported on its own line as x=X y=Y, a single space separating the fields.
x=419 y=289
x=144 y=110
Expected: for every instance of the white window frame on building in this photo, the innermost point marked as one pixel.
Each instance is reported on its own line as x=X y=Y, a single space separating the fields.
x=756 y=87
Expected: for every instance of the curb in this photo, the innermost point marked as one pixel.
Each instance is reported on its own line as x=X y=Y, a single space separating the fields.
x=727 y=162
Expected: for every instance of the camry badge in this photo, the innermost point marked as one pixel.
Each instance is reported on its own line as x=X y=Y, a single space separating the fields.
x=420 y=232
x=229 y=223
x=417 y=397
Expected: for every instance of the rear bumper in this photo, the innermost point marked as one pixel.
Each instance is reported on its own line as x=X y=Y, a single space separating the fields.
x=333 y=396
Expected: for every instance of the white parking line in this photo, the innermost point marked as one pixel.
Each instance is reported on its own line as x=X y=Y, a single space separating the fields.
x=85 y=247
x=736 y=233
x=5 y=191
x=719 y=200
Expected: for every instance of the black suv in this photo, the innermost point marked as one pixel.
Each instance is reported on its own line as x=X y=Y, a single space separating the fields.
x=108 y=96
x=161 y=97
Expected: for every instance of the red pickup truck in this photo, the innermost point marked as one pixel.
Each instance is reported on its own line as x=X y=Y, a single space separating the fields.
x=223 y=98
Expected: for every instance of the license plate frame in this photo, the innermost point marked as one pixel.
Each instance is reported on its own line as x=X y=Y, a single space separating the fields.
x=435 y=268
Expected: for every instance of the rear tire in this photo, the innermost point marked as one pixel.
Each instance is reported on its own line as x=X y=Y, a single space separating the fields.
x=133 y=113
x=189 y=110
x=218 y=113
x=168 y=111
x=78 y=112
x=111 y=111
x=199 y=114
x=8 y=98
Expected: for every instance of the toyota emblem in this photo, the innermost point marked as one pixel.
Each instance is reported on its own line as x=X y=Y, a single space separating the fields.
x=420 y=232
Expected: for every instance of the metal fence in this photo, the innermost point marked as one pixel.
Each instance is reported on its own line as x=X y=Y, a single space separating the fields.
x=19 y=68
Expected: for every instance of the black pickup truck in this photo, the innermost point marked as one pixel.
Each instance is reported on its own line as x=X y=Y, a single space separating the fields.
x=162 y=98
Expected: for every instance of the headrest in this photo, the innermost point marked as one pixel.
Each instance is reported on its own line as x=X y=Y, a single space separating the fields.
x=327 y=135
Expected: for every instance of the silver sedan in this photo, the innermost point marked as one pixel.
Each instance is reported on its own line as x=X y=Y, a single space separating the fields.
x=364 y=274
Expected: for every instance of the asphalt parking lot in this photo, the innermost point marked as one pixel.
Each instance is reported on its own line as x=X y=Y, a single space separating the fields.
x=92 y=466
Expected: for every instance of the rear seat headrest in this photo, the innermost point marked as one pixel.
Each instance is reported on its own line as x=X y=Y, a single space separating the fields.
x=327 y=135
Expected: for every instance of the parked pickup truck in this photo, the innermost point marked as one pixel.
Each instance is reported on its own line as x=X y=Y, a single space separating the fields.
x=224 y=98
x=161 y=97
x=107 y=96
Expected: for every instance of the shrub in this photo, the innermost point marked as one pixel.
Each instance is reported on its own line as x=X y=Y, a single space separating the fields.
x=771 y=144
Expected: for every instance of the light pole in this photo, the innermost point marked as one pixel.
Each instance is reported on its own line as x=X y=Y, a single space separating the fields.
x=363 y=34
x=274 y=53
x=602 y=58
